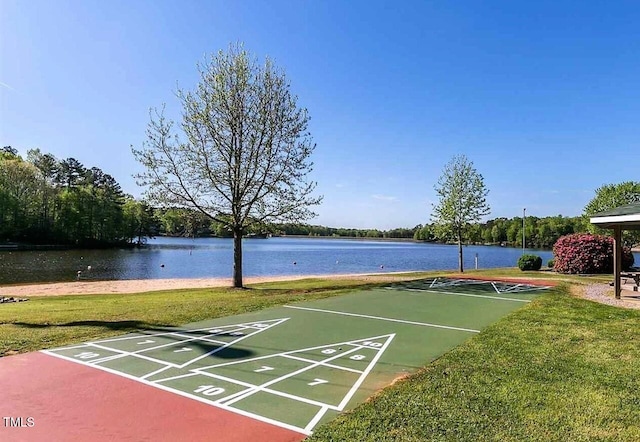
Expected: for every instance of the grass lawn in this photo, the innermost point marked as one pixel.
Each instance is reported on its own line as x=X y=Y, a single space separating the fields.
x=560 y=368
x=54 y=321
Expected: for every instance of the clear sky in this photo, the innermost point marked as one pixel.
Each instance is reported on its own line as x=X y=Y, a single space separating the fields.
x=543 y=97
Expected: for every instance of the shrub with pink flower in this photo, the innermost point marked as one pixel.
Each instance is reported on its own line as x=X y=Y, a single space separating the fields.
x=584 y=254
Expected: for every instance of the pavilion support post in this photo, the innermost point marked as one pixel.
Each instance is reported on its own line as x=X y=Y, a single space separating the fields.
x=617 y=260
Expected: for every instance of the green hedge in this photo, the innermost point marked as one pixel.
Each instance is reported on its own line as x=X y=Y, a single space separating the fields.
x=529 y=262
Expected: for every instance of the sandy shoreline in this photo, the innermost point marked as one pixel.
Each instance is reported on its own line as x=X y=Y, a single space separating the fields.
x=150 y=285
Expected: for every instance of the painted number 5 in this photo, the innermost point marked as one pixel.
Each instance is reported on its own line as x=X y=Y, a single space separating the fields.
x=209 y=390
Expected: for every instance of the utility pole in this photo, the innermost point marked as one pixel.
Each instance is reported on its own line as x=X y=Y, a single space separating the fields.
x=524 y=215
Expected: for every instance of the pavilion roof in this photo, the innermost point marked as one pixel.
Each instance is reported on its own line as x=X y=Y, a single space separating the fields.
x=626 y=217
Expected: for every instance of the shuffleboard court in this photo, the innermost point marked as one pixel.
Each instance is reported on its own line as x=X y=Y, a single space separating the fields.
x=299 y=365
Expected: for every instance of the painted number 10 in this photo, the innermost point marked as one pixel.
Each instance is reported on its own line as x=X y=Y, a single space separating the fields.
x=209 y=390
x=87 y=355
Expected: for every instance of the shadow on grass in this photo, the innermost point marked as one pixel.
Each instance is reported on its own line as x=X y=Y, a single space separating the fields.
x=110 y=325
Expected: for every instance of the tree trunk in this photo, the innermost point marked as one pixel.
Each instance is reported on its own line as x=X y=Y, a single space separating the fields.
x=237 y=258
x=460 y=252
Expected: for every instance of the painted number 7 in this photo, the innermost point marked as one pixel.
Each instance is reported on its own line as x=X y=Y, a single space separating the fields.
x=209 y=390
x=317 y=381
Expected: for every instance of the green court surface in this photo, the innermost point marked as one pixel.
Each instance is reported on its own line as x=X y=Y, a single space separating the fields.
x=299 y=365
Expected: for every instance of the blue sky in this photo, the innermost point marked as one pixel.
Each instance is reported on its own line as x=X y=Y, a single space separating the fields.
x=543 y=97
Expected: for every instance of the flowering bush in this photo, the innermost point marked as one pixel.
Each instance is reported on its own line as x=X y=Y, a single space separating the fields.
x=529 y=262
x=585 y=253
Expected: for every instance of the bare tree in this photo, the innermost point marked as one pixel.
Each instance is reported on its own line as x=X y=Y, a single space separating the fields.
x=462 y=199
x=246 y=150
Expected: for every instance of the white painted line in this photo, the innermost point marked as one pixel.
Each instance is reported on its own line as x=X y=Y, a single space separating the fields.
x=299 y=398
x=252 y=387
x=226 y=402
x=469 y=295
x=71 y=347
x=311 y=361
x=316 y=419
x=212 y=341
x=135 y=355
x=221 y=327
x=289 y=375
x=362 y=377
x=231 y=396
x=379 y=318
x=513 y=288
x=138 y=353
x=153 y=373
x=170 y=344
x=145 y=336
x=188 y=395
x=336 y=344
x=275 y=322
x=456 y=282
x=180 y=376
x=107 y=359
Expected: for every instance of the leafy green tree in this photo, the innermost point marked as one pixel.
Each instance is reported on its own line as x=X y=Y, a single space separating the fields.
x=139 y=221
x=244 y=152
x=463 y=200
x=498 y=233
x=423 y=233
x=8 y=151
x=70 y=172
x=47 y=165
x=19 y=196
x=609 y=197
x=486 y=236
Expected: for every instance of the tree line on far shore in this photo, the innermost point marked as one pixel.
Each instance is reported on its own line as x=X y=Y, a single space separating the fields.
x=539 y=232
x=44 y=200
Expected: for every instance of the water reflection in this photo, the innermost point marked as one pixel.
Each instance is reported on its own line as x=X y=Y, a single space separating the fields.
x=212 y=257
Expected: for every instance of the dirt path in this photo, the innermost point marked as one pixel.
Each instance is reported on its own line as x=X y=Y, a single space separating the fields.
x=149 y=285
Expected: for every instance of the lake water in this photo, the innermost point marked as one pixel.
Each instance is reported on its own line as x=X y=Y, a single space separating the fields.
x=213 y=257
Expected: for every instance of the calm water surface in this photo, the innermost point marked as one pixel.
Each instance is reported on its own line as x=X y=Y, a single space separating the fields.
x=213 y=257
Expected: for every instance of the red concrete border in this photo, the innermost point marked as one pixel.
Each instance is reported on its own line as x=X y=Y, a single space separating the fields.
x=60 y=400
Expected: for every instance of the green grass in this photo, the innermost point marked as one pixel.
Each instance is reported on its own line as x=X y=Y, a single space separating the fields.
x=45 y=322
x=559 y=369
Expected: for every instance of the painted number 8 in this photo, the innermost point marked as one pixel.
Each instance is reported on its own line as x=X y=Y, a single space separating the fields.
x=357 y=357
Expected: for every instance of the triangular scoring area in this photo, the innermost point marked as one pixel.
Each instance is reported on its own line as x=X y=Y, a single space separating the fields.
x=160 y=351
x=327 y=376
x=509 y=287
x=446 y=282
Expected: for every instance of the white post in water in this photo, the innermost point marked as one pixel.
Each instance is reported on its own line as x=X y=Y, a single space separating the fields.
x=524 y=215
x=476 y=261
